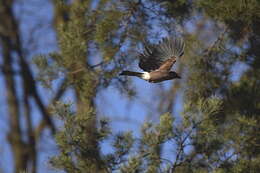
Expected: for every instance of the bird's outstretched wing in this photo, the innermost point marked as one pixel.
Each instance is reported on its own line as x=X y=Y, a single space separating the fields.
x=155 y=56
x=167 y=65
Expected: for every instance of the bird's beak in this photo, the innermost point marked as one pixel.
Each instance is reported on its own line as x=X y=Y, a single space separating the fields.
x=178 y=76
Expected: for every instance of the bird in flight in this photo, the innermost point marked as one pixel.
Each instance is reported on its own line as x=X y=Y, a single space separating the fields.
x=158 y=59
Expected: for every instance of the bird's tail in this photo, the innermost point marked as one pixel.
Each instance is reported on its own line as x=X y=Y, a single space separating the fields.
x=131 y=73
x=170 y=47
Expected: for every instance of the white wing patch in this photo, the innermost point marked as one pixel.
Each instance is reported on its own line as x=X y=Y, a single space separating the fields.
x=146 y=76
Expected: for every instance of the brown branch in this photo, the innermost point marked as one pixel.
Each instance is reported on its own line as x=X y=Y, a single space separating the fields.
x=182 y=144
x=6 y=71
x=26 y=73
x=219 y=39
x=59 y=93
x=32 y=142
x=15 y=134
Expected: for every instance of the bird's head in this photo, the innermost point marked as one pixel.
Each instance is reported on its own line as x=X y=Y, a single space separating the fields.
x=174 y=75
